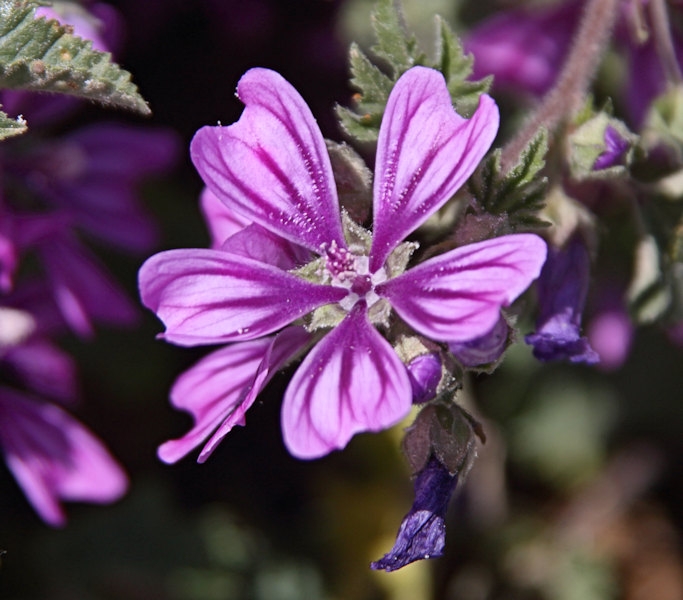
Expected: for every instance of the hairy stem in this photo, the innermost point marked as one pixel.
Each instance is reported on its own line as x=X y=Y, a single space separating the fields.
x=569 y=92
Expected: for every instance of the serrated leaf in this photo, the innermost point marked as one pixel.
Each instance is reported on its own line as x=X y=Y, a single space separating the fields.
x=373 y=87
x=520 y=192
x=397 y=51
x=394 y=44
x=42 y=55
x=10 y=127
x=456 y=67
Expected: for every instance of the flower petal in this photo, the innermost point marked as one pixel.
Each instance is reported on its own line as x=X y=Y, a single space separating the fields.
x=221 y=221
x=425 y=152
x=222 y=386
x=457 y=296
x=352 y=381
x=264 y=246
x=209 y=296
x=272 y=165
x=54 y=457
x=285 y=345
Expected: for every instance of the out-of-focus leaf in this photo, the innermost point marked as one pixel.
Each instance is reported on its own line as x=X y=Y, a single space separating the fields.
x=43 y=55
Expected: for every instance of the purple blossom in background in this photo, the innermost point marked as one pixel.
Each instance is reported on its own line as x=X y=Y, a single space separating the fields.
x=562 y=290
x=523 y=48
x=298 y=262
x=422 y=533
x=55 y=192
x=52 y=456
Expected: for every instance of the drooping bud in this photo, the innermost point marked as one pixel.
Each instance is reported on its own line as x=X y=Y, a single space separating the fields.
x=440 y=446
x=562 y=290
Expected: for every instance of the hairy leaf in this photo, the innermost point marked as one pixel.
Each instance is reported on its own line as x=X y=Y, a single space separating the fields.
x=42 y=55
x=396 y=51
x=520 y=192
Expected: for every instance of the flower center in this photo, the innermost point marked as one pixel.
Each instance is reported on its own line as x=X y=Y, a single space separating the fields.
x=345 y=269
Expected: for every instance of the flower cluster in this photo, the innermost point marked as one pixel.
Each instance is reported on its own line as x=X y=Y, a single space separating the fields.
x=54 y=192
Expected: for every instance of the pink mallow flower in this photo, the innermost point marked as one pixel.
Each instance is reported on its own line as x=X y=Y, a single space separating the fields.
x=334 y=284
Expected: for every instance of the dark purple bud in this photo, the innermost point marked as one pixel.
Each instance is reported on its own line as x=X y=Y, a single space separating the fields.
x=562 y=290
x=423 y=531
x=424 y=373
x=484 y=350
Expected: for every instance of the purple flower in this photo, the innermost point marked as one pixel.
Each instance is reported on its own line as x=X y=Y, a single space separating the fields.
x=272 y=168
x=52 y=456
x=562 y=290
x=422 y=533
x=524 y=48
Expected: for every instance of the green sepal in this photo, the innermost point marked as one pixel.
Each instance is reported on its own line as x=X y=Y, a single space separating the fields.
x=42 y=55
x=445 y=430
x=518 y=192
x=587 y=143
x=664 y=124
x=10 y=127
x=656 y=290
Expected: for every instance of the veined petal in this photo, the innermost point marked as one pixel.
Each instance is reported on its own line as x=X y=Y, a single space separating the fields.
x=284 y=346
x=425 y=152
x=208 y=296
x=222 y=386
x=272 y=165
x=457 y=296
x=352 y=381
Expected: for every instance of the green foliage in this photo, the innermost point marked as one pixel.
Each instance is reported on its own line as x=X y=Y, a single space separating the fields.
x=10 y=127
x=518 y=192
x=397 y=51
x=42 y=55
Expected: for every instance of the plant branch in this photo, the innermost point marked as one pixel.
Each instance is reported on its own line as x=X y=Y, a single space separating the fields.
x=569 y=92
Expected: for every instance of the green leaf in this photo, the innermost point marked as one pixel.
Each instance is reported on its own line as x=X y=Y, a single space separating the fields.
x=397 y=51
x=42 y=55
x=374 y=87
x=518 y=193
x=10 y=127
x=456 y=67
x=394 y=44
